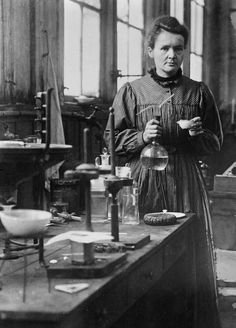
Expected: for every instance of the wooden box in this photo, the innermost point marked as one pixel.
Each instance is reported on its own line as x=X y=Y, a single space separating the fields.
x=223 y=210
x=226 y=182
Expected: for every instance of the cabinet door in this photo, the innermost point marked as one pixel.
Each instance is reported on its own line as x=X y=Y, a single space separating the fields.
x=224 y=220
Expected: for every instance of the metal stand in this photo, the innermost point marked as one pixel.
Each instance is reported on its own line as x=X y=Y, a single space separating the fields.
x=90 y=266
x=113 y=184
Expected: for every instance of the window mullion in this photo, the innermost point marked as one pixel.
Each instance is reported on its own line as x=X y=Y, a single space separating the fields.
x=130 y=25
x=130 y=65
x=108 y=58
x=81 y=50
x=128 y=39
x=85 y=5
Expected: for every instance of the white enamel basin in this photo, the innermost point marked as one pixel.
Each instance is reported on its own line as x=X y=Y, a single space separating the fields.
x=25 y=222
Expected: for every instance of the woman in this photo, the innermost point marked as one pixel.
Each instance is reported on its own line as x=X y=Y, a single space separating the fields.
x=180 y=187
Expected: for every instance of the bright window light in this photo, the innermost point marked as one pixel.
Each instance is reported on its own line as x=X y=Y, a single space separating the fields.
x=81 y=47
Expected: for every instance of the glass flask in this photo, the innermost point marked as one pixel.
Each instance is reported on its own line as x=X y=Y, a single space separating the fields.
x=154 y=156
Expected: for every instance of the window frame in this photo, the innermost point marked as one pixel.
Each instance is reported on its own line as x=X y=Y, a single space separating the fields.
x=129 y=25
x=83 y=5
x=108 y=69
x=200 y=3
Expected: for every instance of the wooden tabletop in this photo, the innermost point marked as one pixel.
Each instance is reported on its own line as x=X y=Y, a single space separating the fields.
x=48 y=308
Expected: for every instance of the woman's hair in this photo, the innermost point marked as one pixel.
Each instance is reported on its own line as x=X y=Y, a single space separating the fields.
x=169 y=24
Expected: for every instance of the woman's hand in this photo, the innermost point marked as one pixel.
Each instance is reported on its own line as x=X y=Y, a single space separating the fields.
x=196 y=127
x=152 y=130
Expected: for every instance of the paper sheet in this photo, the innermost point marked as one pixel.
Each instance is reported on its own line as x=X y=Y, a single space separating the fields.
x=84 y=237
x=71 y=288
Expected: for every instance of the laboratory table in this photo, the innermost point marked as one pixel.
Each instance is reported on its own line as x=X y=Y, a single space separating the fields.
x=151 y=288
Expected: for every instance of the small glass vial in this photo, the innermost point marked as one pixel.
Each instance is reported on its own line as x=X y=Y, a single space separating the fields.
x=130 y=212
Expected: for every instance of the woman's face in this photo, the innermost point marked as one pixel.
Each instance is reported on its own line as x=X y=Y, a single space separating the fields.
x=168 y=53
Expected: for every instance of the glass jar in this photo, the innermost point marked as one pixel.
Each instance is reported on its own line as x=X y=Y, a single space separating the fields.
x=130 y=212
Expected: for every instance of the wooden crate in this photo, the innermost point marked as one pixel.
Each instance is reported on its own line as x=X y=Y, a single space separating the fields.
x=225 y=182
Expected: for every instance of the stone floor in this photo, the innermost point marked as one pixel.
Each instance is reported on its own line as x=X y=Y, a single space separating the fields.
x=226 y=277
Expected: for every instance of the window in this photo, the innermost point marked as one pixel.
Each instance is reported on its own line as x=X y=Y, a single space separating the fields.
x=177 y=9
x=95 y=48
x=233 y=12
x=130 y=31
x=196 y=38
x=82 y=47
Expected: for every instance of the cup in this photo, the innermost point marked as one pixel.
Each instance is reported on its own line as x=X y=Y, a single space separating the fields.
x=123 y=171
x=30 y=139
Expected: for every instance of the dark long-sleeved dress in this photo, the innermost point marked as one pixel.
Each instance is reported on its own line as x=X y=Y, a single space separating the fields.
x=180 y=187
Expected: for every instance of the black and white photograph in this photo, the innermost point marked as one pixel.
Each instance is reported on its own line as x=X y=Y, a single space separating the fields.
x=118 y=163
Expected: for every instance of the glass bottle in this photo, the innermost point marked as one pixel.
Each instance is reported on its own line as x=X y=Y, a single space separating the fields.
x=99 y=199
x=130 y=212
x=154 y=156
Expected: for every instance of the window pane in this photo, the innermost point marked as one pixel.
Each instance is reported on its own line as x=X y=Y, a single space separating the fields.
x=233 y=4
x=121 y=81
x=199 y=40
x=135 y=52
x=122 y=49
x=177 y=9
x=233 y=18
x=136 y=13
x=196 y=28
x=122 y=52
x=123 y=10
x=193 y=26
x=129 y=39
x=91 y=53
x=72 y=48
x=196 y=67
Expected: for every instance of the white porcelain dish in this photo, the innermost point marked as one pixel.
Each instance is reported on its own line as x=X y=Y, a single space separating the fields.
x=11 y=144
x=178 y=215
x=185 y=124
x=25 y=222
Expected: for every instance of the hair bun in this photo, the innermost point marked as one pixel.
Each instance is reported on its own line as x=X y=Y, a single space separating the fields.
x=169 y=24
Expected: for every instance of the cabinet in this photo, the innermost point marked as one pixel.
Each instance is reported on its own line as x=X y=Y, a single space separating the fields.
x=20 y=119
x=223 y=205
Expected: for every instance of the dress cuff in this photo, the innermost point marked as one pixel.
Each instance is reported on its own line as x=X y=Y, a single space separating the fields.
x=140 y=142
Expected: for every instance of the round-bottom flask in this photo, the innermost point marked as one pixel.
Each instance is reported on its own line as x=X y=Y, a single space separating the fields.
x=154 y=156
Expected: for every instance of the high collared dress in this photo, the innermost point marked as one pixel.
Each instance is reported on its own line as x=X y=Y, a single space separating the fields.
x=180 y=187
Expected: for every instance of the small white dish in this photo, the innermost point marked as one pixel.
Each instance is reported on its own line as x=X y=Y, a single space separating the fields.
x=185 y=124
x=178 y=215
x=188 y=124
